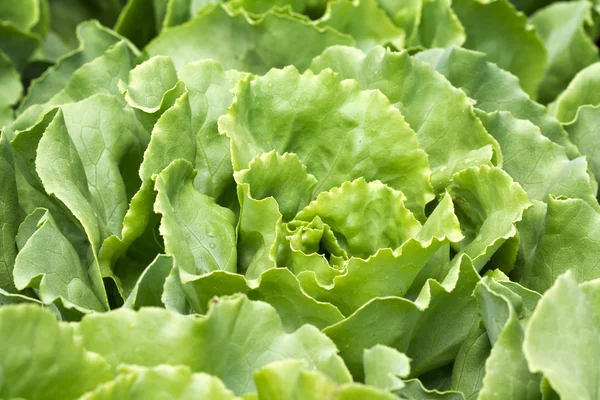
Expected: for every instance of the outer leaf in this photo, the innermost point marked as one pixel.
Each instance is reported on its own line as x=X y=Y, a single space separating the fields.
x=539 y=165
x=236 y=337
x=497 y=29
x=488 y=204
x=384 y=367
x=35 y=367
x=63 y=174
x=292 y=380
x=11 y=89
x=98 y=76
x=469 y=366
x=507 y=374
x=9 y=212
x=278 y=287
x=197 y=232
x=566 y=239
x=412 y=327
x=94 y=40
x=364 y=21
x=403 y=79
x=583 y=131
x=337 y=131
x=573 y=52
x=237 y=41
x=582 y=90
x=429 y=23
x=561 y=340
x=494 y=89
x=49 y=263
x=209 y=88
x=160 y=382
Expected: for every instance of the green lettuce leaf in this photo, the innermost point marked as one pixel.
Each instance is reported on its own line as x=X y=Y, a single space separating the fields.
x=35 y=367
x=255 y=43
x=403 y=79
x=236 y=337
x=333 y=127
x=571 y=53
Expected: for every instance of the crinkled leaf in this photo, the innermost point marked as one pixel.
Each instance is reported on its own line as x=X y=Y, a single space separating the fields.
x=582 y=90
x=427 y=101
x=561 y=340
x=240 y=42
x=488 y=204
x=160 y=382
x=41 y=359
x=563 y=29
x=494 y=89
x=497 y=29
x=339 y=132
x=9 y=207
x=236 y=337
x=384 y=368
x=149 y=288
x=278 y=287
x=539 y=165
x=414 y=328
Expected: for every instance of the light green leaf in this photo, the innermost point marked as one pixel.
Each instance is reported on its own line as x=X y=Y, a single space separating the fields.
x=63 y=174
x=278 y=287
x=197 y=232
x=384 y=368
x=49 y=264
x=236 y=337
x=566 y=239
x=389 y=271
x=582 y=90
x=172 y=138
x=413 y=328
x=160 y=382
x=428 y=23
x=424 y=98
x=561 y=340
x=294 y=380
x=583 y=131
x=11 y=89
x=272 y=185
x=540 y=166
x=497 y=29
x=240 y=42
x=506 y=371
x=469 y=366
x=148 y=82
x=99 y=76
x=209 y=89
x=363 y=216
x=368 y=24
x=94 y=40
x=488 y=204
x=42 y=360
x=563 y=29
x=337 y=131
x=494 y=89
x=148 y=289
x=9 y=207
